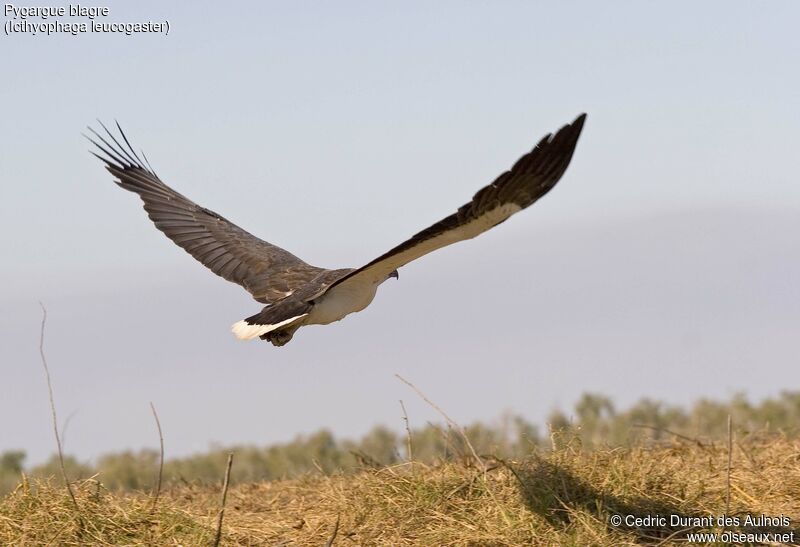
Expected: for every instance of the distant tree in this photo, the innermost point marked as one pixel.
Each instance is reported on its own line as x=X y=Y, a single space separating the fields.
x=11 y=461
x=129 y=470
x=380 y=444
x=558 y=421
x=594 y=413
x=75 y=469
x=526 y=438
x=649 y=420
x=431 y=443
x=709 y=418
x=11 y=466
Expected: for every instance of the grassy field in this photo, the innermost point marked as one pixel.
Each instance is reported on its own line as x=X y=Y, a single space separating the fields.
x=566 y=496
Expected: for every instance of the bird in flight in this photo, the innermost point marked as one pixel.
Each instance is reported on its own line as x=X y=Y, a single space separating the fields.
x=298 y=294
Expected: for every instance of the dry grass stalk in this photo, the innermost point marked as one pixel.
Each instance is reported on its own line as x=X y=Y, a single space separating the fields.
x=218 y=535
x=157 y=491
x=330 y=541
x=55 y=419
x=728 y=474
x=698 y=442
x=409 y=444
x=553 y=443
x=449 y=420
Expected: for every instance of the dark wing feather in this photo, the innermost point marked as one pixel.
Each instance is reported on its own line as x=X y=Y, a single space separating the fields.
x=268 y=272
x=534 y=174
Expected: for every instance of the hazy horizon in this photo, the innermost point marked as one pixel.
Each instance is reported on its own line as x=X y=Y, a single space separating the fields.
x=592 y=328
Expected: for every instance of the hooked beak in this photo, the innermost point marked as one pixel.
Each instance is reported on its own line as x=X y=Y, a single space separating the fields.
x=394 y=274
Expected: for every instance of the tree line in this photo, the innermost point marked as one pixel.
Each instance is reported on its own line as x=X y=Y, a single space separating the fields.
x=593 y=422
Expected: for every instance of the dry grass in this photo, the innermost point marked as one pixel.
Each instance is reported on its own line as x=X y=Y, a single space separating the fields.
x=561 y=498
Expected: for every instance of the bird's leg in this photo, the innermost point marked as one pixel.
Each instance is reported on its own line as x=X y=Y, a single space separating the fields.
x=280 y=337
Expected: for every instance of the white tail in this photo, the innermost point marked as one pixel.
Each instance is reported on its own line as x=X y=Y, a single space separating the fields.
x=245 y=331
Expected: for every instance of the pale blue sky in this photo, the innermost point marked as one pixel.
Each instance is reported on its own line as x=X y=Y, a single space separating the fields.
x=664 y=265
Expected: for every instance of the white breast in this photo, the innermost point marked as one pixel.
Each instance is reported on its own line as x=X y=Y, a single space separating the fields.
x=340 y=301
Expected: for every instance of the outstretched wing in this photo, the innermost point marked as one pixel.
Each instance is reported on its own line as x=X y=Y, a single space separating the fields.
x=268 y=272
x=532 y=176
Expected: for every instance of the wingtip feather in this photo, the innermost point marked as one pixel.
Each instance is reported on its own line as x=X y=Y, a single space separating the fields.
x=577 y=124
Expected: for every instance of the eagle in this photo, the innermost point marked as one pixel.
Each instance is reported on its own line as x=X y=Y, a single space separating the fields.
x=294 y=292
